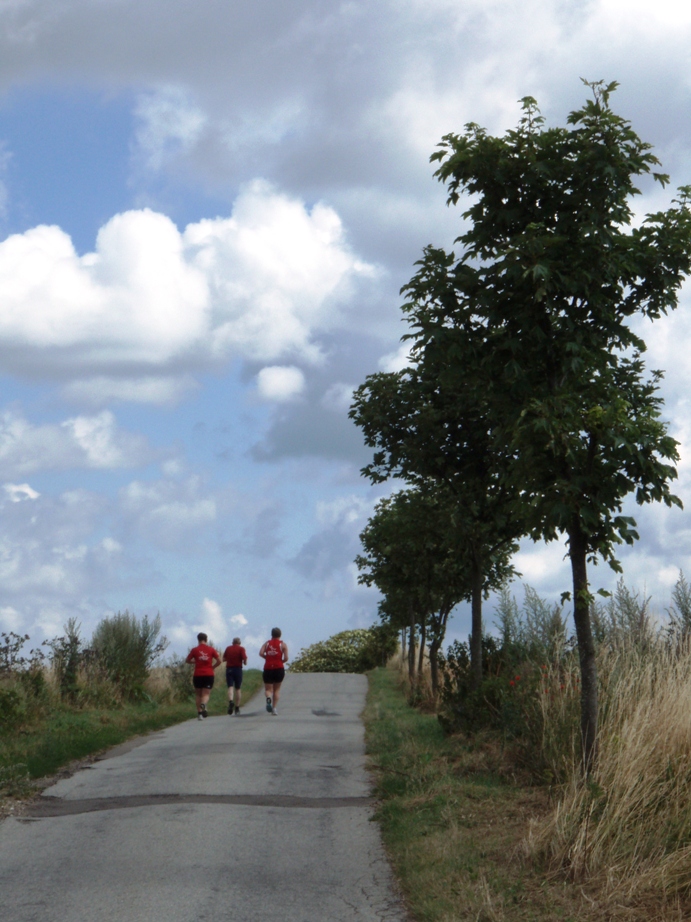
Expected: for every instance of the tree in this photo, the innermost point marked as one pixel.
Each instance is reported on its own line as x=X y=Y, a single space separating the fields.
x=537 y=310
x=429 y=425
x=417 y=554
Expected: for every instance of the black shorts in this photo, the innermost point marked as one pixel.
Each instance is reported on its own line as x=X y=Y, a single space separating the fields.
x=203 y=681
x=273 y=676
x=234 y=676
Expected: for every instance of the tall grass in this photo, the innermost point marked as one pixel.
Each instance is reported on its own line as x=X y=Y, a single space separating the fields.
x=629 y=824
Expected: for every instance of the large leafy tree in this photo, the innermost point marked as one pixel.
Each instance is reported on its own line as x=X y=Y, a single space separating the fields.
x=532 y=322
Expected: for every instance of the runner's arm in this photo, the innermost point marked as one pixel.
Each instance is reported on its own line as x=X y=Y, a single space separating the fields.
x=284 y=650
x=262 y=652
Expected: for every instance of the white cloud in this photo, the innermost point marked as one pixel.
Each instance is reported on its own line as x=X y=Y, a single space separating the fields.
x=149 y=300
x=169 y=513
x=239 y=620
x=213 y=623
x=78 y=442
x=101 y=390
x=338 y=397
x=396 y=361
x=169 y=124
x=10 y=618
x=280 y=383
x=17 y=492
x=345 y=510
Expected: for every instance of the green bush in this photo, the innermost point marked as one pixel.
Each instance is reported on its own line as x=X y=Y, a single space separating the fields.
x=350 y=651
x=12 y=707
x=125 y=648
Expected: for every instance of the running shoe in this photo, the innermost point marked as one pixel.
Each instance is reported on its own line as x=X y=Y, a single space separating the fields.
x=204 y=714
x=237 y=712
x=230 y=707
x=269 y=706
x=199 y=716
x=274 y=712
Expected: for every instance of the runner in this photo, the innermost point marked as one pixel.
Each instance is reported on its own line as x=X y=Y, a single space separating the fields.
x=205 y=660
x=234 y=657
x=275 y=655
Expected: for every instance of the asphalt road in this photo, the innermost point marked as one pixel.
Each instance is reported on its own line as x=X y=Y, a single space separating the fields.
x=252 y=818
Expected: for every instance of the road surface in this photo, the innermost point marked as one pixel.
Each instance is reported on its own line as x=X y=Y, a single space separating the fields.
x=252 y=819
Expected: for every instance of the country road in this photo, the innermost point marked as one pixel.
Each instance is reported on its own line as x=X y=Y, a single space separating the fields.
x=252 y=819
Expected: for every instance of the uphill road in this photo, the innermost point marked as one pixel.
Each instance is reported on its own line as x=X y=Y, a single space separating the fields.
x=250 y=818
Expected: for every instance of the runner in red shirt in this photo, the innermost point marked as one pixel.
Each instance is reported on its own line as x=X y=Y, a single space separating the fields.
x=275 y=654
x=234 y=657
x=205 y=660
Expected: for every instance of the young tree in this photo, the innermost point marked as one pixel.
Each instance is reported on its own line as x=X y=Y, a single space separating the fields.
x=417 y=554
x=429 y=425
x=536 y=312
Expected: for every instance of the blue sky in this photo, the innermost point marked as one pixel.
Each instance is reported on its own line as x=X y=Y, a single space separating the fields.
x=206 y=213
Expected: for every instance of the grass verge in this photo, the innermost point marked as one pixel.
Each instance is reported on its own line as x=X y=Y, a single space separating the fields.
x=455 y=822
x=66 y=735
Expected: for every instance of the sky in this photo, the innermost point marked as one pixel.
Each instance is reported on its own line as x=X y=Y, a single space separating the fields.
x=207 y=211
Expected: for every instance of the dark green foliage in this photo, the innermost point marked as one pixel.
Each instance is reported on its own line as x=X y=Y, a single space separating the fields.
x=126 y=648
x=527 y=387
x=67 y=654
x=350 y=651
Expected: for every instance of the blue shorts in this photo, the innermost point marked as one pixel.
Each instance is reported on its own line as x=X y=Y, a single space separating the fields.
x=234 y=676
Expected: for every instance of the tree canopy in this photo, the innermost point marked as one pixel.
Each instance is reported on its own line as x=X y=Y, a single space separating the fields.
x=525 y=365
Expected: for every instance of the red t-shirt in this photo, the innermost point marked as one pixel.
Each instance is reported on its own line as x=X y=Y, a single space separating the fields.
x=203 y=658
x=234 y=656
x=273 y=654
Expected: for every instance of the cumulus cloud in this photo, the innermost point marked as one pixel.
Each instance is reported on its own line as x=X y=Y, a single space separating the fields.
x=79 y=442
x=280 y=383
x=150 y=300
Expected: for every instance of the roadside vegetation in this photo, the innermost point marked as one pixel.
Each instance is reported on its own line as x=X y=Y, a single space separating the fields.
x=69 y=699
x=484 y=806
x=350 y=651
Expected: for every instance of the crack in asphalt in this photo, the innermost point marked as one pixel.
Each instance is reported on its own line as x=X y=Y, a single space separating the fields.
x=55 y=806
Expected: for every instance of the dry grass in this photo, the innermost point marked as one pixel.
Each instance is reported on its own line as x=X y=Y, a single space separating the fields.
x=628 y=829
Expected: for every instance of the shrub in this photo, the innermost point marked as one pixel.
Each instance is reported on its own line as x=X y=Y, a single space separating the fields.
x=179 y=678
x=350 y=651
x=126 y=648
x=66 y=658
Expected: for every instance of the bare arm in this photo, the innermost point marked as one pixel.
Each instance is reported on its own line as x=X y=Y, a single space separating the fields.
x=262 y=652
x=284 y=650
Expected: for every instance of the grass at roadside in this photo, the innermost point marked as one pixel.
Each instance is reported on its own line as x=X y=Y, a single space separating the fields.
x=455 y=825
x=67 y=734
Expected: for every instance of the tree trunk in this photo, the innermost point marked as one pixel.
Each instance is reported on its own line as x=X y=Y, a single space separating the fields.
x=476 y=629
x=434 y=647
x=411 y=651
x=421 y=656
x=586 y=647
x=403 y=644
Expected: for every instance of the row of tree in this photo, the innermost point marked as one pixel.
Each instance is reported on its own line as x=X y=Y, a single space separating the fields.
x=526 y=408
